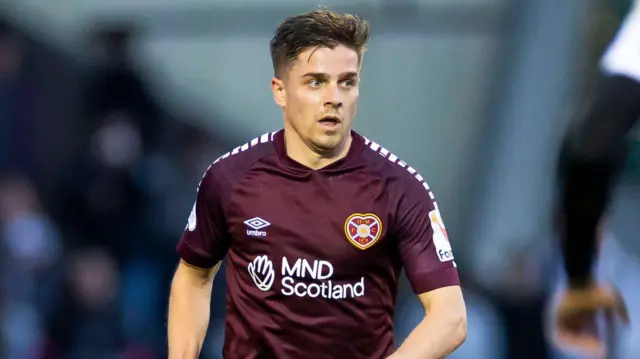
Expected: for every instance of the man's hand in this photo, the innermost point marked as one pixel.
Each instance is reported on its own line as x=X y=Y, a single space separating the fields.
x=577 y=314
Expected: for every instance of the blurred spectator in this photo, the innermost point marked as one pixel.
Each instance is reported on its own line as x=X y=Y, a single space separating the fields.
x=103 y=200
x=106 y=189
x=170 y=180
x=519 y=290
x=114 y=85
x=31 y=251
x=87 y=323
x=193 y=155
x=16 y=114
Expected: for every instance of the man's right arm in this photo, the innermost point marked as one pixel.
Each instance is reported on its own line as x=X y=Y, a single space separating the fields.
x=202 y=247
x=189 y=305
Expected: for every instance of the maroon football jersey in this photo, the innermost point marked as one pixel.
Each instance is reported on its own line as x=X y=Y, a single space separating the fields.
x=313 y=256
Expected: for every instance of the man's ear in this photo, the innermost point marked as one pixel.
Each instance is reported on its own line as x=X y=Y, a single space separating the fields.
x=279 y=92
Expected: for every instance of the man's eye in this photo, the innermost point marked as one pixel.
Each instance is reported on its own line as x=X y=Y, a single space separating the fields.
x=348 y=83
x=315 y=83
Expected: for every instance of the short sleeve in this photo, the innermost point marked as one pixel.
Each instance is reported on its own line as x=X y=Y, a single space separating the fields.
x=423 y=242
x=622 y=57
x=205 y=240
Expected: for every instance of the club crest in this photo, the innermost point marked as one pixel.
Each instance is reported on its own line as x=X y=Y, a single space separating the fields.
x=363 y=230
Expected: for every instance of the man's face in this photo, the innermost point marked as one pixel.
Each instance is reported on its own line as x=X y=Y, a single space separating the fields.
x=319 y=95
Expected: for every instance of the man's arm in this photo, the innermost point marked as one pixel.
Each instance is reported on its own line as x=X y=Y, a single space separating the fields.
x=443 y=329
x=202 y=247
x=426 y=253
x=189 y=305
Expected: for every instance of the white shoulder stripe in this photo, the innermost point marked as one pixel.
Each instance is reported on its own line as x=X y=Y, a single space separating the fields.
x=267 y=137
x=393 y=158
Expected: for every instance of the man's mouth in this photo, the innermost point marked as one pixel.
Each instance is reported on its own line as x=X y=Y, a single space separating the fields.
x=330 y=120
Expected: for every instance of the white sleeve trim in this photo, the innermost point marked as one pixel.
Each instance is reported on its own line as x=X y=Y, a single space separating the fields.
x=623 y=54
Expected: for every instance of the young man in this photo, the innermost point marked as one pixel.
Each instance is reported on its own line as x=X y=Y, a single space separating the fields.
x=316 y=223
x=593 y=154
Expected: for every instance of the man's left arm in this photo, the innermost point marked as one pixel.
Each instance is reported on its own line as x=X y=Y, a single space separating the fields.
x=443 y=329
x=429 y=264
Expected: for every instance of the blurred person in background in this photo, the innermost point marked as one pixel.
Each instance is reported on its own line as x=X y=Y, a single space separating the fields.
x=515 y=280
x=107 y=196
x=592 y=156
x=521 y=301
x=104 y=198
x=31 y=251
x=103 y=206
x=172 y=197
x=189 y=158
x=17 y=152
x=10 y=58
x=116 y=85
x=87 y=323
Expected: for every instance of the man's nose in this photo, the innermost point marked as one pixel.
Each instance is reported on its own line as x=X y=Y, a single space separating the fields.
x=332 y=97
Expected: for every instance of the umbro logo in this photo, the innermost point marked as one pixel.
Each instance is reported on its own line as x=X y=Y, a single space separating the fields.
x=256 y=224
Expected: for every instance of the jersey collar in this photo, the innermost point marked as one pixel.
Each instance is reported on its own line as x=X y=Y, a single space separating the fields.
x=343 y=164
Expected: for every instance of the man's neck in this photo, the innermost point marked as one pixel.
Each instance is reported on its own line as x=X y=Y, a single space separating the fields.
x=302 y=153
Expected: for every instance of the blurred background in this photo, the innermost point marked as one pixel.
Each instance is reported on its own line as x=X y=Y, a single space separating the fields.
x=110 y=111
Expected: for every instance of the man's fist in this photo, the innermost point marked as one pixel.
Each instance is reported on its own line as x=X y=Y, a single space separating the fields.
x=577 y=314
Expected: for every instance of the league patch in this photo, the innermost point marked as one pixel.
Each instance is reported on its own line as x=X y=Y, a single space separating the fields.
x=440 y=237
x=363 y=230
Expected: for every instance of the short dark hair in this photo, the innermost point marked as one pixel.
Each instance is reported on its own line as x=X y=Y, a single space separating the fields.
x=319 y=28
